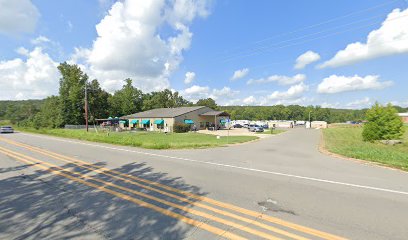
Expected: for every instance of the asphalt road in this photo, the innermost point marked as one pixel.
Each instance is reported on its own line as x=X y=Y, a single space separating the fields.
x=276 y=188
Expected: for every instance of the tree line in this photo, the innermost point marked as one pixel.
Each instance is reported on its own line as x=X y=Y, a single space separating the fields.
x=68 y=106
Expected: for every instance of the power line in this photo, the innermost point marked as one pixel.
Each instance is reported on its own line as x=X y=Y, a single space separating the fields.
x=309 y=40
x=319 y=24
x=305 y=36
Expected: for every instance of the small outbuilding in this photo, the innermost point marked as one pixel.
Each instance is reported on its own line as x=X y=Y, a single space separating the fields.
x=318 y=124
x=164 y=119
x=404 y=117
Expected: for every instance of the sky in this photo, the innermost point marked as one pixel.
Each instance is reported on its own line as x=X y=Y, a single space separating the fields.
x=341 y=54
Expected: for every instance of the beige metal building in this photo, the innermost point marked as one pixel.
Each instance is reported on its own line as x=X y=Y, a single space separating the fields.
x=163 y=119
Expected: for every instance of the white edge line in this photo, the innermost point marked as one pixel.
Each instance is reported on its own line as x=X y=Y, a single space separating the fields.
x=226 y=165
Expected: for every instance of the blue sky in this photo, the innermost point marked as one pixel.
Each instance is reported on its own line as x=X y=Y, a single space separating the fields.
x=348 y=54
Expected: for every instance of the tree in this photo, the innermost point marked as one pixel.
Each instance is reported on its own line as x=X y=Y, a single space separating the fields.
x=71 y=93
x=98 y=101
x=207 y=102
x=50 y=115
x=163 y=99
x=383 y=124
x=126 y=101
x=21 y=113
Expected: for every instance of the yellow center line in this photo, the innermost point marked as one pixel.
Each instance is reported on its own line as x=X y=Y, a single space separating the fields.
x=183 y=208
x=250 y=221
x=166 y=212
x=217 y=203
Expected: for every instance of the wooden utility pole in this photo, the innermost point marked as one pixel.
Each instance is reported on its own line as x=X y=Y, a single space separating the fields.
x=86 y=107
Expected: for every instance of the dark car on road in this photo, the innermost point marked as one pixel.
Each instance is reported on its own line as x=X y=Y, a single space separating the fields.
x=6 y=129
x=237 y=126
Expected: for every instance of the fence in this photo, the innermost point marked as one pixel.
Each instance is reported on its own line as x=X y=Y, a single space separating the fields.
x=75 y=126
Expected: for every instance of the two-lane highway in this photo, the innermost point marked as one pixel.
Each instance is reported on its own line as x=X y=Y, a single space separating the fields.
x=60 y=188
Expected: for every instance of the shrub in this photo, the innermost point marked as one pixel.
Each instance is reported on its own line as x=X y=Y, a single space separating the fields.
x=383 y=124
x=181 y=128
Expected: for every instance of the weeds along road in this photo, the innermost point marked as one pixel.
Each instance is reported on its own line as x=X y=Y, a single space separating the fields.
x=276 y=188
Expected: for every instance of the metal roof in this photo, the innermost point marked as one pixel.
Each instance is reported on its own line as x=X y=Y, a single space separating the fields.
x=403 y=114
x=163 y=112
x=215 y=113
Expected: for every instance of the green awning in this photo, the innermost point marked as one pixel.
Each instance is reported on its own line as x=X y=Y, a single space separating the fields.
x=146 y=121
x=122 y=122
x=223 y=121
x=159 y=121
x=109 y=118
x=188 y=121
x=134 y=121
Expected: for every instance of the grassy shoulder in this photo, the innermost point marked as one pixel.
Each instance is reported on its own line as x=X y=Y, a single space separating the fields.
x=151 y=140
x=349 y=142
x=270 y=131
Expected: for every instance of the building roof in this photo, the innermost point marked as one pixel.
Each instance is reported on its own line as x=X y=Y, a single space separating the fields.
x=403 y=114
x=215 y=113
x=163 y=112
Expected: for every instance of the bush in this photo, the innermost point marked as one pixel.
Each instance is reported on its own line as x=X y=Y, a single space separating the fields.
x=181 y=127
x=383 y=124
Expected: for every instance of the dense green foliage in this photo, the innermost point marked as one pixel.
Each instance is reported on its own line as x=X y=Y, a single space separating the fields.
x=50 y=114
x=71 y=93
x=207 y=102
x=19 y=111
x=145 y=139
x=383 y=124
x=349 y=142
x=69 y=106
x=181 y=128
x=126 y=101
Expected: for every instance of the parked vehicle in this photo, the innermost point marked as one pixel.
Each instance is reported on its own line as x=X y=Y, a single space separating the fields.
x=245 y=126
x=255 y=128
x=6 y=129
x=265 y=126
x=237 y=125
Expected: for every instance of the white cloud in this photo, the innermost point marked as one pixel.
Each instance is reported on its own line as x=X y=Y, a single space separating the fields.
x=190 y=76
x=18 y=17
x=240 y=74
x=39 y=40
x=282 y=80
x=391 y=38
x=224 y=93
x=129 y=44
x=400 y=103
x=22 y=51
x=70 y=26
x=33 y=78
x=360 y=103
x=330 y=105
x=336 y=84
x=251 y=100
x=293 y=92
x=305 y=59
x=194 y=93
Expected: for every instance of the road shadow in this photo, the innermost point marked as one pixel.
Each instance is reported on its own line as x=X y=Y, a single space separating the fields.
x=40 y=205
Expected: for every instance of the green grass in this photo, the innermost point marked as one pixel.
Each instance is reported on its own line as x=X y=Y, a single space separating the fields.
x=269 y=131
x=348 y=142
x=152 y=140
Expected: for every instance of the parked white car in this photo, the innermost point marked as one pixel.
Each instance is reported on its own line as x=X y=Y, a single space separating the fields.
x=6 y=129
x=255 y=128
